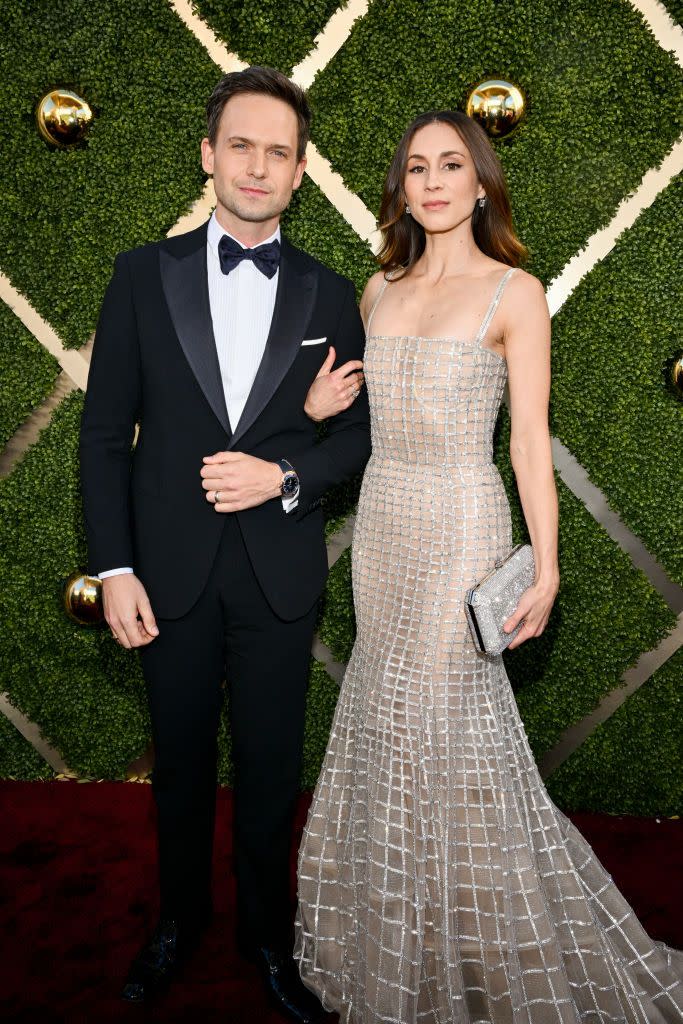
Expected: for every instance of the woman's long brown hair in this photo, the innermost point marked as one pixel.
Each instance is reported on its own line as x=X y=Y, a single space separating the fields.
x=403 y=239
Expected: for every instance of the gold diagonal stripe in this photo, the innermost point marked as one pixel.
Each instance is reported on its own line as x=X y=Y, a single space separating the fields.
x=576 y=479
x=72 y=361
x=329 y=41
x=39 y=418
x=30 y=731
x=666 y=31
x=631 y=681
x=601 y=243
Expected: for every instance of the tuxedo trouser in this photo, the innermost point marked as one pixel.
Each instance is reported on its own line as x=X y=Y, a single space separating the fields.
x=230 y=634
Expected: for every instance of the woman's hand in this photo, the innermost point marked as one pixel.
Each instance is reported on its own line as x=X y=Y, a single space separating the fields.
x=534 y=607
x=332 y=391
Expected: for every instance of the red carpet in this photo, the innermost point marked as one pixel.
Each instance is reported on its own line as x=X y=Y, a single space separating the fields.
x=77 y=890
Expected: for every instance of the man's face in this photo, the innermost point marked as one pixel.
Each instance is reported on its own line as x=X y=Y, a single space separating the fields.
x=253 y=159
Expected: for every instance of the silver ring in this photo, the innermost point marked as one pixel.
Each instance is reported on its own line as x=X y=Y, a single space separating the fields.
x=355 y=393
x=216 y=498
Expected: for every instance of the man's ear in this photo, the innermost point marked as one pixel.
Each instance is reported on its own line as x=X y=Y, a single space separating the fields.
x=299 y=174
x=207 y=156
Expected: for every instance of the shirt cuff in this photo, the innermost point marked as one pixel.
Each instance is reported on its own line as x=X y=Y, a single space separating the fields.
x=289 y=504
x=113 y=572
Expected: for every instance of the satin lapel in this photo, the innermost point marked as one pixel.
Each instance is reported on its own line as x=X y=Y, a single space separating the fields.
x=294 y=301
x=186 y=287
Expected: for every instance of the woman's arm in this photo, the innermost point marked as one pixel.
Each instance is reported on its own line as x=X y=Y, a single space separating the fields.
x=345 y=448
x=527 y=349
x=332 y=391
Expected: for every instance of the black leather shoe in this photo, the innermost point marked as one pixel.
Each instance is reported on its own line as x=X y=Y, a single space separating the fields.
x=286 y=989
x=159 y=961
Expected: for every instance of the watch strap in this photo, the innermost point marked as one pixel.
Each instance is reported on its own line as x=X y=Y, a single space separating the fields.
x=290 y=479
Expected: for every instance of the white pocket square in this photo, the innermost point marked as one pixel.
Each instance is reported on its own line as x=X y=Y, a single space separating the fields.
x=313 y=341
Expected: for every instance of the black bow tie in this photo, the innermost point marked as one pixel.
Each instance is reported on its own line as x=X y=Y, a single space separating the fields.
x=265 y=257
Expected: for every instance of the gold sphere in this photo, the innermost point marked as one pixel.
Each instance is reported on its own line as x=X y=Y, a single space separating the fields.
x=63 y=118
x=673 y=371
x=498 y=106
x=83 y=599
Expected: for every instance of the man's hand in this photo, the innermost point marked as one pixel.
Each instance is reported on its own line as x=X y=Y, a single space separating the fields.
x=128 y=611
x=242 y=481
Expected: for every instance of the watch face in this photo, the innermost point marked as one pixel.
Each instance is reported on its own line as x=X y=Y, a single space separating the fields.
x=290 y=484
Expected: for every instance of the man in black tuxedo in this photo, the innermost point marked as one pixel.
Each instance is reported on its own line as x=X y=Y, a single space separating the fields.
x=207 y=531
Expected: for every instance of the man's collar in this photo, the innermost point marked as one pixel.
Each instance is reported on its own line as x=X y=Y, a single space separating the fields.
x=215 y=233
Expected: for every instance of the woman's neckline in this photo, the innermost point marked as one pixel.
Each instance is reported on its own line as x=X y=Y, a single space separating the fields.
x=444 y=337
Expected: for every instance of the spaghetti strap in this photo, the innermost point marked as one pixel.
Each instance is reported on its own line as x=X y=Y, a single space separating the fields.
x=486 y=322
x=375 y=304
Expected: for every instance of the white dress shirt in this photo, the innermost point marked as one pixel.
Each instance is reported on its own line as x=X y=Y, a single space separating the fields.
x=245 y=296
x=242 y=304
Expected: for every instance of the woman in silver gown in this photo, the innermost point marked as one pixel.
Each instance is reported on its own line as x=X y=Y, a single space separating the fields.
x=437 y=881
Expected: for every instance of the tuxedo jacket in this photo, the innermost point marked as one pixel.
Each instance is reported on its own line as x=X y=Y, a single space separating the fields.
x=155 y=366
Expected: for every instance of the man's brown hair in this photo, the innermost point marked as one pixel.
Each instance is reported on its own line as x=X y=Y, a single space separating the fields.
x=266 y=82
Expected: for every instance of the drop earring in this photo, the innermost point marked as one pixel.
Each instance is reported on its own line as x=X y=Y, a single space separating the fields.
x=482 y=202
x=407 y=209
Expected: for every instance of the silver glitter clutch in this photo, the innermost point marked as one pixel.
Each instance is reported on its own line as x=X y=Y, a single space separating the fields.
x=491 y=602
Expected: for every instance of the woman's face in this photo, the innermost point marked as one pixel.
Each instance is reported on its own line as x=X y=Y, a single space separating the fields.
x=441 y=183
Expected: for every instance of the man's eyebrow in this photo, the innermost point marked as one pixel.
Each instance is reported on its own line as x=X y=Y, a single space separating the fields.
x=273 y=145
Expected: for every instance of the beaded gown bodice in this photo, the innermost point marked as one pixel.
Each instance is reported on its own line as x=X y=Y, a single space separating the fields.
x=434 y=400
x=438 y=883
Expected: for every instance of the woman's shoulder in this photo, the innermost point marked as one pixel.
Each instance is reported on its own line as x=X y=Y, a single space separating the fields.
x=521 y=289
x=374 y=284
x=524 y=303
x=525 y=295
x=370 y=292
x=522 y=281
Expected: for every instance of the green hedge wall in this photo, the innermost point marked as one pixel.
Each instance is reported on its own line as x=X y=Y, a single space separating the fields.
x=633 y=762
x=675 y=9
x=605 y=102
x=18 y=759
x=81 y=689
x=27 y=373
x=275 y=32
x=312 y=222
x=64 y=215
x=611 y=405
